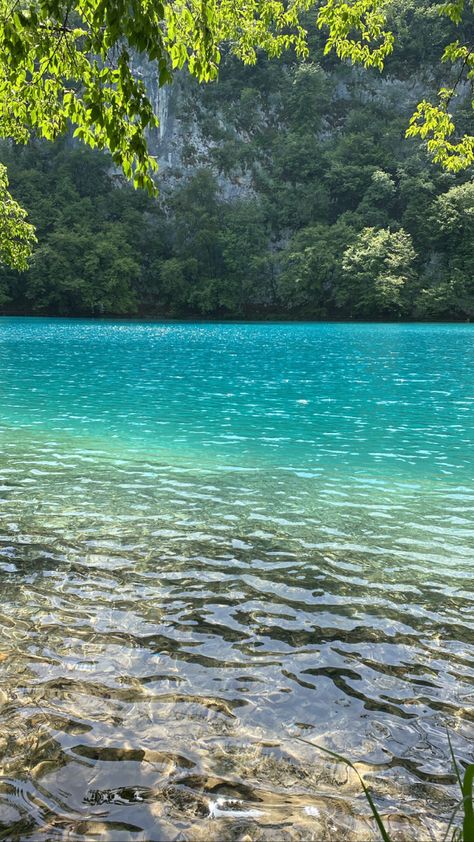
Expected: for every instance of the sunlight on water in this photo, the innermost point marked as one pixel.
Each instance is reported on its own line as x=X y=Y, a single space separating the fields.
x=215 y=539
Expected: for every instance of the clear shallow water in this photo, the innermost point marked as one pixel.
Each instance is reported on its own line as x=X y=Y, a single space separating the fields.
x=215 y=539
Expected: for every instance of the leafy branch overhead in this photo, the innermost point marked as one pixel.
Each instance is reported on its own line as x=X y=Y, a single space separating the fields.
x=70 y=63
x=17 y=236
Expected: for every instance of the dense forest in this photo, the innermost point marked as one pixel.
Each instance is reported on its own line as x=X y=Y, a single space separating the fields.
x=297 y=196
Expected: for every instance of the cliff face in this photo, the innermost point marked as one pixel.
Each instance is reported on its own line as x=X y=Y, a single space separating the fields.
x=199 y=124
x=164 y=106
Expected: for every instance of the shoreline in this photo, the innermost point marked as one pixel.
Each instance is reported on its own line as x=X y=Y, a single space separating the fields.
x=271 y=319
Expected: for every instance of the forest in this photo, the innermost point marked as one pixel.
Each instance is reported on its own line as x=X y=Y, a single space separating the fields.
x=298 y=196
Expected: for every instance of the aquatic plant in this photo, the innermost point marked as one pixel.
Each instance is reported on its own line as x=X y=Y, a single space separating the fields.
x=460 y=832
x=466 y=832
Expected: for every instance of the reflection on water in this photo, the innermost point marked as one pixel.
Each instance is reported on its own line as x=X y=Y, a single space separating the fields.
x=215 y=539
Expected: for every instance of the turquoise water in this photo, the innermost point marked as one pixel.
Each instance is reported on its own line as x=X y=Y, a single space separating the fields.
x=216 y=539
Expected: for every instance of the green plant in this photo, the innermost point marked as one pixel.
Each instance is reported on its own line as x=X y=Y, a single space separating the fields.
x=461 y=833
x=466 y=832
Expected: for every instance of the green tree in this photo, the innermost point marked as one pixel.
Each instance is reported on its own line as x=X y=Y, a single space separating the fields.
x=311 y=268
x=17 y=236
x=376 y=268
x=247 y=281
x=447 y=289
x=83 y=272
x=98 y=244
x=376 y=207
x=196 y=209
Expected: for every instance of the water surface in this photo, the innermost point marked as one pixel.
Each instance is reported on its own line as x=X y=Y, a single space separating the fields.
x=216 y=539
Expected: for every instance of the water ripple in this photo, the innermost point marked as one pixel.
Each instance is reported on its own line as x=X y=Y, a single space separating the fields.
x=215 y=540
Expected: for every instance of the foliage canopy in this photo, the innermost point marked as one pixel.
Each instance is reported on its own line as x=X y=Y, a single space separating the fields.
x=17 y=236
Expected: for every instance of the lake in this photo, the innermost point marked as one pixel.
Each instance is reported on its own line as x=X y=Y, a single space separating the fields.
x=218 y=539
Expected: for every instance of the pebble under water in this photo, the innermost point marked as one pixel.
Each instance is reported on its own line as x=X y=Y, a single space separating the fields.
x=216 y=539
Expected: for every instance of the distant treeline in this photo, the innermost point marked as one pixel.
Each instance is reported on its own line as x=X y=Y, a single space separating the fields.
x=336 y=215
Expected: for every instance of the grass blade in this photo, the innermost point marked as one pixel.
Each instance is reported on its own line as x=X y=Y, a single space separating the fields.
x=341 y=759
x=468 y=823
x=453 y=816
x=456 y=767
